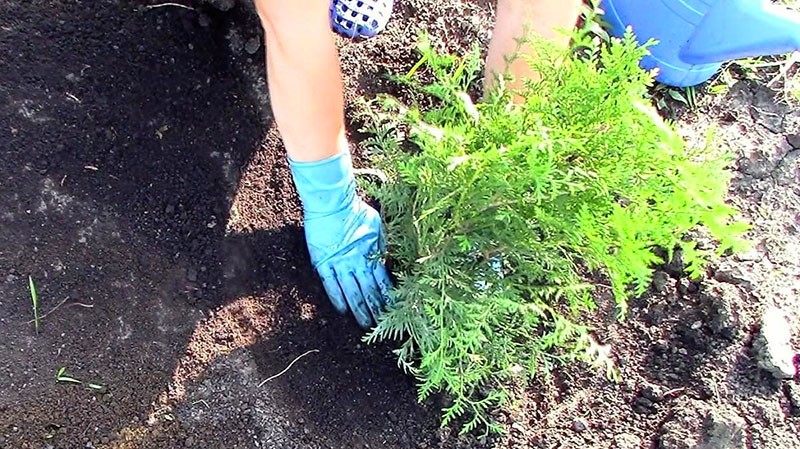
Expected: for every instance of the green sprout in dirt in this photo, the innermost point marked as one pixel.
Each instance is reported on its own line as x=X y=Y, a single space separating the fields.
x=685 y=95
x=63 y=377
x=504 y=218
x=34 y=303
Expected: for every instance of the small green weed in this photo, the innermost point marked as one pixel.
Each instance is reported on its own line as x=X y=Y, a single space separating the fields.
x=661 y=93
x=34 y=303
x=63 y=377
x=501 y=217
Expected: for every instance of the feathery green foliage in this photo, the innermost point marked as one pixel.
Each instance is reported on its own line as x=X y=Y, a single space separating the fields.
x=499 y=215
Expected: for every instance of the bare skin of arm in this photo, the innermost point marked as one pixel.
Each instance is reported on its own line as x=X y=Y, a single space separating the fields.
x=305 y=80
x=550 y=19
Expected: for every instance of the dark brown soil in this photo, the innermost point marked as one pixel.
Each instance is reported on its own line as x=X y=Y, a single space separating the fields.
x=143 y=188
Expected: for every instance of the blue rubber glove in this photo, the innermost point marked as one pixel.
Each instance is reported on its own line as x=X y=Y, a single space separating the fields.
x=344 y=236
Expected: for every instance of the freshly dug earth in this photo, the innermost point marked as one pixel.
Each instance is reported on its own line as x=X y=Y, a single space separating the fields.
x=146 y=192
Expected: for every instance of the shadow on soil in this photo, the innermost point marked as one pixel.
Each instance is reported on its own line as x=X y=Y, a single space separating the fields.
x=145 y=120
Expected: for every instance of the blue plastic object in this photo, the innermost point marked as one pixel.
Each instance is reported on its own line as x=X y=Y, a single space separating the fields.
x=344 y=237
x=360 y=18
x=697 y=36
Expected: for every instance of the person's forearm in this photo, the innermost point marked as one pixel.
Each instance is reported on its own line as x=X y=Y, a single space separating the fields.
x=550 y=19
x=304 y=77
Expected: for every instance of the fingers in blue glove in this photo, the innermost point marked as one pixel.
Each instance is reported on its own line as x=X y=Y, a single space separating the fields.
x=372 y=293
x=356 y=301
x=384 y=282
x=381 y=274
x=332 y=288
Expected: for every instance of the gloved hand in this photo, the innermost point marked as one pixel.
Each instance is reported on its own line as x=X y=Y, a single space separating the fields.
x=344 y=236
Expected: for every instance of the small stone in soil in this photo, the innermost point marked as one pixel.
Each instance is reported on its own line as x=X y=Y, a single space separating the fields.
x=794 y=140
x=580 y=425
x=644 y=406
x=627 y=441
x=661 y=281
x=652 y=392
x=692 y=287
x=756 y=165
x=724 y=429
x=720 y=298
x=756 y=253
x=772 y=346
x=731 y=276
x=792 y=391
x=252 y=45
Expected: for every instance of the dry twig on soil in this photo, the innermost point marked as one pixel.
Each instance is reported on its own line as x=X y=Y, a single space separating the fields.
x=287 y=368
x=51 y=311
x=177 y=5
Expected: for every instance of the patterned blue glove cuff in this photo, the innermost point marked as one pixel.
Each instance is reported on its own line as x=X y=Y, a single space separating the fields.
x=360 y=18
x=325 y=187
